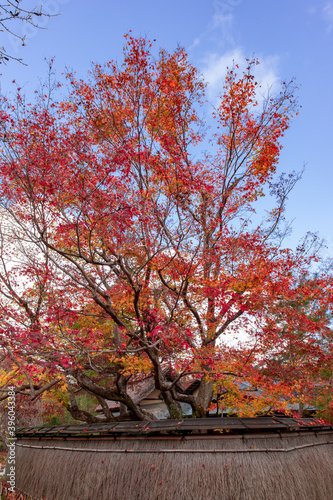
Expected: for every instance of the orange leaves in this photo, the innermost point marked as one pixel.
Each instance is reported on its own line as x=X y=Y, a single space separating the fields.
x=133 y=365
x=251 y=133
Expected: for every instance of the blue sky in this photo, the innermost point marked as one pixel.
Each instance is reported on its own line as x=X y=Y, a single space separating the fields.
x=291 y=38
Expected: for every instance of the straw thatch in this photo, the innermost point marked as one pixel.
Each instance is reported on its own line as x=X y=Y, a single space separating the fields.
x=142 y=390
x=220 y=467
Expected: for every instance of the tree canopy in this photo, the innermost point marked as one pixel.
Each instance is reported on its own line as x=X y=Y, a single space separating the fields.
x=129 y=242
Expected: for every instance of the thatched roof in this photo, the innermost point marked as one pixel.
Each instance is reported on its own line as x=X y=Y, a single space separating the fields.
x=213 y=459
x=138 y=390
x=142 y=389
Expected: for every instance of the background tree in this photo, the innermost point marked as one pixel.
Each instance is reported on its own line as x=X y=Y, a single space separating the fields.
x=147 y=243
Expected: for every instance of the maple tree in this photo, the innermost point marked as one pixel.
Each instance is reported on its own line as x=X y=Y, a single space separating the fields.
x=136 y=250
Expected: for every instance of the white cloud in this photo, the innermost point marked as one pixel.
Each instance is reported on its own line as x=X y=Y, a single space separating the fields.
x=311 y=10
x=223 y=14
x=328 y=15
x=215 y=68
x=224 y=11
x=220 y=27
x=222 y=20
x=267 y=73
x=195 y=43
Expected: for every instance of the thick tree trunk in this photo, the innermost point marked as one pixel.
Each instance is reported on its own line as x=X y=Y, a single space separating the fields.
x=185 y=398
x=78 y=414
x=173 y=406
x=113 y=395
x=204 y=397
x=105 y=407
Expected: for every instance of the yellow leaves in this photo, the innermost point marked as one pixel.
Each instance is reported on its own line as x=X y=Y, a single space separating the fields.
x=134 y=364
x=6 y=377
